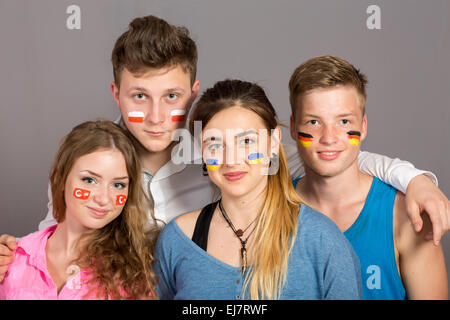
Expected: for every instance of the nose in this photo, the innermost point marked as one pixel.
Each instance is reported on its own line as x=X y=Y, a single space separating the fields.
x=329 y=135
x=102 y=196
x=156 y=114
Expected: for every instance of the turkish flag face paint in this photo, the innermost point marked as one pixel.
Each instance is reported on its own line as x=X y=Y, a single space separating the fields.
x=136 y=116
x=121 y=199
x=177 y=115
x=81 y=194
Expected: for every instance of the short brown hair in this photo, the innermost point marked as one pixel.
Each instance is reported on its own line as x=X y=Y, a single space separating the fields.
x=151 y=42
x=325 y=72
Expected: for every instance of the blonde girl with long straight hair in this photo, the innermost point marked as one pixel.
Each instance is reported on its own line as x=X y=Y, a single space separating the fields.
x=258 y=241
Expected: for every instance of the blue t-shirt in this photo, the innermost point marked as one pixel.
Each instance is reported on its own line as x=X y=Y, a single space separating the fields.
x=372 y=238
x=322 y=265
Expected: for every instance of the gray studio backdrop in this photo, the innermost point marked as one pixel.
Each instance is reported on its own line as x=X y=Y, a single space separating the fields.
x=56 y=70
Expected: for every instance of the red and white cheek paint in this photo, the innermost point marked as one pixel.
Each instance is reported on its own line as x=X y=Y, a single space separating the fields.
x=121 y=199
x=177 y=115
x=81 y=194
x=136 y=116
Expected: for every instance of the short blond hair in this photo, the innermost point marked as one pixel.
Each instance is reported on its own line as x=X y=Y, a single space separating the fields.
x=326 y=72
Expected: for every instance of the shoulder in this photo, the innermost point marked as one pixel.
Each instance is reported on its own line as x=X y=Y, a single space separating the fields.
x=35 y=240
x=186 y=222
x=320 y=233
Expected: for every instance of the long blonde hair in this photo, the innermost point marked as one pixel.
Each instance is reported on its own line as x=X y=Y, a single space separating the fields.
x=277 y=223
x=118 y=256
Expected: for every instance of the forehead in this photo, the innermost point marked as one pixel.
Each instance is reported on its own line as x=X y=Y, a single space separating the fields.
x=102 y=160
x=235 y=118
x=156 y=78
x=329 y=101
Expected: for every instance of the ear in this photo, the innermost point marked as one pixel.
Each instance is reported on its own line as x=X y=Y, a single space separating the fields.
x=364 y=128
x=115 y=92
x=275 y=141
x=293 y=129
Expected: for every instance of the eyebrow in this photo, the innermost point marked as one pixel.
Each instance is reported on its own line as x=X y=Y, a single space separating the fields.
x=99 y=176
x=339 y=115
x=241 y=134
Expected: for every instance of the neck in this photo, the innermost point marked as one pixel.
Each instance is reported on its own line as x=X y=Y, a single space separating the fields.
x=63 y=241
x=153 y=161
x=244 y=209
x=328 y=192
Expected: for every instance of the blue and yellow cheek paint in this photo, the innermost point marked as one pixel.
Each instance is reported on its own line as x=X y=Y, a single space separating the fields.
x=255 y=158
x=354 y=137
x=305 y=139
x=212 y=164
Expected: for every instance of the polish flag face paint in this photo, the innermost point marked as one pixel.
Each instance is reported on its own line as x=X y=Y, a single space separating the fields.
x=212 y=164
x=81 y=194
x=121 y=199
x=255 y=158
x=177 y=115
x=354 y=137
x=305 y=139
x=136 y=116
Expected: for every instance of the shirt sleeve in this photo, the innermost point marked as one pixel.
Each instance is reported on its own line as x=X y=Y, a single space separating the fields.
x=163 y=267
x=395 y=172
x=49 y=219
x=342 y=275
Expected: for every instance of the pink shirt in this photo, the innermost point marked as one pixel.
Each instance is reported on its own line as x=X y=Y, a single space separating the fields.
x=28 y=277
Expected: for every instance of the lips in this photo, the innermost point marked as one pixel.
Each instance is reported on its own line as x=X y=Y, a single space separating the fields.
x=328 y=155
x=234 y=176
x=154 y=133
x=99 y=213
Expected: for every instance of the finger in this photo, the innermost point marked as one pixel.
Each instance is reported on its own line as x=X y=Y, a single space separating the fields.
x=1 y=278
x=3 y=270
x=5 y=251
x=9 y=241
x=6 y=260
x=413 y=211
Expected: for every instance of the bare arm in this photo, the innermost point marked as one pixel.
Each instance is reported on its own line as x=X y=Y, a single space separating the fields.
x=422 y=264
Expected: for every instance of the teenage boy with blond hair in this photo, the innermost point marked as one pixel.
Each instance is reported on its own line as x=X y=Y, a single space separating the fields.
x=328 y=99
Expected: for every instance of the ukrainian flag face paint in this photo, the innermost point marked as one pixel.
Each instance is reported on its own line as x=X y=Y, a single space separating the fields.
x=305 y=139
x=255 y=158
x=212 y=164
x=354 y=137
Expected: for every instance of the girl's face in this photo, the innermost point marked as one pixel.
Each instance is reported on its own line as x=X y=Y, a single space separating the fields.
x=236 y=151
x=96 y=189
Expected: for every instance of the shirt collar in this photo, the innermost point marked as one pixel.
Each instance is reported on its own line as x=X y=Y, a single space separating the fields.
x=34 y=246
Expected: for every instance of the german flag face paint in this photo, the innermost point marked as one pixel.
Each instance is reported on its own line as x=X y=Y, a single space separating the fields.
x=255 y=158
x=136 y=116
x=305 y=139
x=212 y=164
x=354 y=137
x=81 y=194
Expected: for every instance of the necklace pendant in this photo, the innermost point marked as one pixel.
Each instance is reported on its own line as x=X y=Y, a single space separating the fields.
x=244 y=259
x=239 y=232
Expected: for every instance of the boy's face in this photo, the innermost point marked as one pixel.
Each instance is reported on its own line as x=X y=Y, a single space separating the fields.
x=328 y=128
x=154 y=104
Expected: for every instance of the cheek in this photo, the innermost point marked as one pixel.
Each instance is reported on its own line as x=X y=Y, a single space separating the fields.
x=305 y=139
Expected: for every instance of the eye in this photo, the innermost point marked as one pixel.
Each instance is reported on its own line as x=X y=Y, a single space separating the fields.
x=313 y=122
x=345 y=121
x=214 y=147
x=140 y=96
x=119 y=185
x=88 y=180
x=172 y=96
x=247 y=141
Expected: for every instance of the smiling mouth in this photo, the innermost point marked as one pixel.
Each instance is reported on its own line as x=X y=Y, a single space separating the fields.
x=155 y=133
x=98 y=212
x=328 y=155
x=235 y=176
